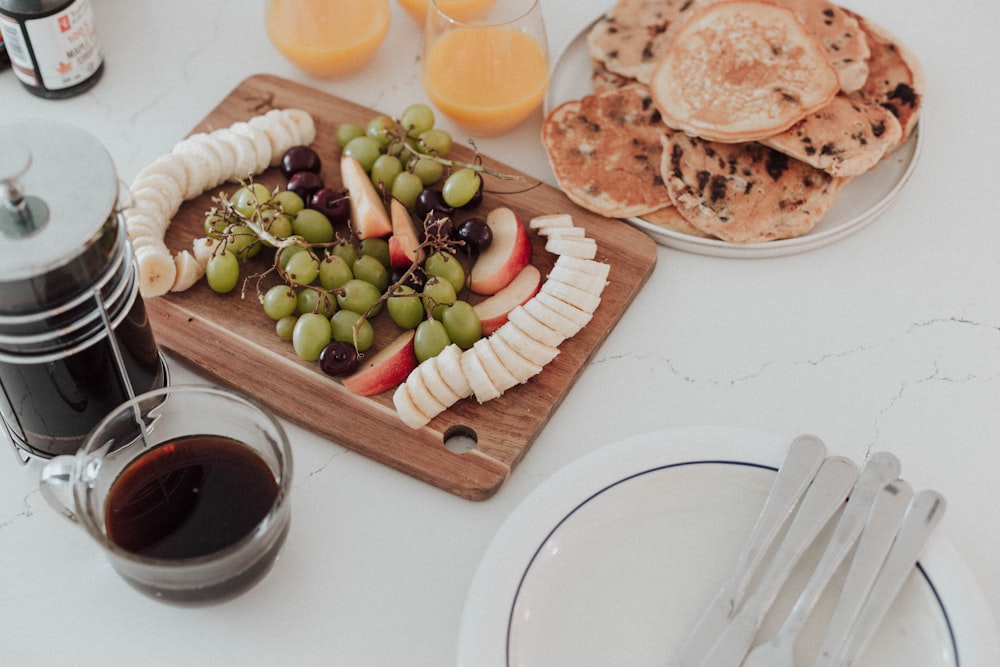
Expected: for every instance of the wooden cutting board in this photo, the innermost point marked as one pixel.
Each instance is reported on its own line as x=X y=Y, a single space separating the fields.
x=232 y=341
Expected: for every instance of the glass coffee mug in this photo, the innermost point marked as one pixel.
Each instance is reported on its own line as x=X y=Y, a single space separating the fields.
x=185 y=488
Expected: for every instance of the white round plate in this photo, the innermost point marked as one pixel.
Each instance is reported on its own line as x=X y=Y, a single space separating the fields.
x=612 y=559
x=858 y=203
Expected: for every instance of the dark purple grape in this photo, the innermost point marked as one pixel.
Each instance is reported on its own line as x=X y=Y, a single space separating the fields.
x=334 y=204
x=338 y=358
x=430 y=200
x=305 y=184
x=476 y=233
x=300 y=158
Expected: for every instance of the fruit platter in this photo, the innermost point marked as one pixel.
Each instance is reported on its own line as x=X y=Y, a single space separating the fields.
x=228 y=323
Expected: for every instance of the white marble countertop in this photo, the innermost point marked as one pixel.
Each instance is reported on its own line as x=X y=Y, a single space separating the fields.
x=886 y=340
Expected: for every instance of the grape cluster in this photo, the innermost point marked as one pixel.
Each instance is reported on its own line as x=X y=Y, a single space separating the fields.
x=333 y=285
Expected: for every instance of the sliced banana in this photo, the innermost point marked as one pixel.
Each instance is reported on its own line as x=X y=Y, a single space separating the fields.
x=138 y=223
x=227 y=156
x=157 y=270
x=449 y=365
x=551 y=220
x=261 y=144
x=439 y=389
x=563 y=232
x=163 y=183
x=600 y=269
x=588 y=282
x=406 y=409
x=572 y=295
x=211 y=161
x=304 y=124
x=203 y=248
x=140 y=241
x=242 y=147
x=585 y=248
x=279 y=136
x=422 y=398
x=569 y=311
x=519 y=367
x=167 y=165
x=552 y=319
x=499 y=375
x=482 y=386
x=189 y=271
x=200 y=175
x=152 y=198
x=537 y=353
x=535 y=328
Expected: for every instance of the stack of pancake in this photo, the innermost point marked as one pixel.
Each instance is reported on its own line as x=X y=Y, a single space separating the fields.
x=732 y=119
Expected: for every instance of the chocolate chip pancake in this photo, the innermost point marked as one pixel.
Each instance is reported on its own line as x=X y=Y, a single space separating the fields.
x=744 y=193
x=630 y=38
x=740 y=71
x=605 y=151
x=895 y=77
x=843 y=40
x=845 y=138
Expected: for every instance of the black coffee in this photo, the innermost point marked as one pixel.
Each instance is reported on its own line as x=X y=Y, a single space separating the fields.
x=189 y=497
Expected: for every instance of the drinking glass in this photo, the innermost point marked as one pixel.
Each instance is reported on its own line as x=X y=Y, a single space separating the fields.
x=487 y=75
x=327 y=38
x=463 y=10
x=196 y=476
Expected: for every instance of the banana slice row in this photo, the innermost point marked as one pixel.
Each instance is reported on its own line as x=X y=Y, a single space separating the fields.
x=526 y=343
x=202 y=161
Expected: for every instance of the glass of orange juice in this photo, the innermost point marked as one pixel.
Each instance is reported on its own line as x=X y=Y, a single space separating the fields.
x=489 y=74
x=463 y=10
x=327 y=38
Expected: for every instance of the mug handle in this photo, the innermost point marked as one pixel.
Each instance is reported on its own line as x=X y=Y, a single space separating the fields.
x=56 y=485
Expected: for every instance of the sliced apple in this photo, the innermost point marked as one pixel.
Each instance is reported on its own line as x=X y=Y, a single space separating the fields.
x=404 y=244
x=386 y=368
x=368 y=215
x=493 y=311
x=507 y=254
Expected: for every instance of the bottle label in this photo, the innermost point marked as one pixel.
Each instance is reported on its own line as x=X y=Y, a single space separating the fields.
x=65 y=46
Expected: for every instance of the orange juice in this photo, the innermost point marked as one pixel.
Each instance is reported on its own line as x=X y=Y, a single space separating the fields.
x=328 y=38
x=486 y=79
x=462 y=10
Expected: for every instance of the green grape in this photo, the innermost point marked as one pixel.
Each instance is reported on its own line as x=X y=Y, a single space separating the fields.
x=313 y=226
x=429 y=171
x=359 y=296
x=246 y=199
x=302 y=268
x=311 y=334
x=286 y=254
x=438 y=294
x=445 y=265
x=223 y=272
x=285 y=327
x=370 y=269
x=461 y=187
x=377 y=248
x=243 y=241
x=280 y=226
x=462 y=323
x=435 y=142
x=417 y=119
x=215 y=224
x=348 y=131
x=342 y=325
x=405 y=307
x=279 y=302
x=365 y=150
x=381 y=128
x=334 y=272
x=314 y=301
x=345 y=251
x=429 y=339
x=406 y=188
x=385 y=170
x=290 y=202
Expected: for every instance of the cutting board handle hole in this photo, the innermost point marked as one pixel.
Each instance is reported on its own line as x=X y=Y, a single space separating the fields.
x=460 y=439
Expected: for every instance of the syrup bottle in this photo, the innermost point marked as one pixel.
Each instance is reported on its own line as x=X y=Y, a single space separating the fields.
x=52 y=45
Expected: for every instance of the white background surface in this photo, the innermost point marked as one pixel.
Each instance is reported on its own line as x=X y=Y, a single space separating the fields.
x=888 y=339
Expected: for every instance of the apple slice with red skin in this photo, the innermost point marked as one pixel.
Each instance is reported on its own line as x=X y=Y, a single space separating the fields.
x=385 y=369
x=493 y=310
x=509 y=252
x=404 y=244
x=368 y=215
